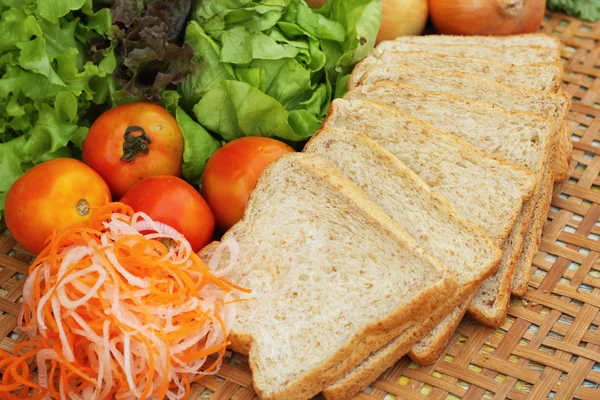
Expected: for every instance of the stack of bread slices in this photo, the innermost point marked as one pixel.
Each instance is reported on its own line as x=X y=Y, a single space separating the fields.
x=422 y=198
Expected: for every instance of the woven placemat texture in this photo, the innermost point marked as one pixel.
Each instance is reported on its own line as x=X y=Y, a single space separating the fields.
x=549 y=346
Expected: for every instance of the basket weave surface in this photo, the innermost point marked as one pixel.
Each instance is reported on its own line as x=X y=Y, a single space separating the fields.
x=549 y=346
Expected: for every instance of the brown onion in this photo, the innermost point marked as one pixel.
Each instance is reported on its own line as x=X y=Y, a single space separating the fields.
x=402 y=18
x=487 y=17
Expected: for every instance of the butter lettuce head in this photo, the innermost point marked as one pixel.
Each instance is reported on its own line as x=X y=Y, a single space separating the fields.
x=271 y=68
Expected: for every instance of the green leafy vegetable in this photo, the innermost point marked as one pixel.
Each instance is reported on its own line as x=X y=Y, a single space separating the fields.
x=271 y=67
x=588 y=10
x=48 y=87
x=199 y=145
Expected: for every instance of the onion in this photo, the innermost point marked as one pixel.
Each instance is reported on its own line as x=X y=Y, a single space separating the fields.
x=487 y=17
x=402 y=18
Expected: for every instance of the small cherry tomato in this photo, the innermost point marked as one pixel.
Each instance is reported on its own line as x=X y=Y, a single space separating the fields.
x=52 y=195
x=174 y=202
x=131 y=142
x=232 y=172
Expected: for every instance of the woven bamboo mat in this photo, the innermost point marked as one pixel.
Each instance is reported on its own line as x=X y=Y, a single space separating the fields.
x=549 y=346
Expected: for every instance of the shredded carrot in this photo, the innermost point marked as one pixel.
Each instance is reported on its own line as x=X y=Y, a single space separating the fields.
x=114 y=313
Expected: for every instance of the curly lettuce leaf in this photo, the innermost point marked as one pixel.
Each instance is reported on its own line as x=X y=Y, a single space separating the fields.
x=587 y=10
x=281 y=54
x=10 y=166
x=48 y=87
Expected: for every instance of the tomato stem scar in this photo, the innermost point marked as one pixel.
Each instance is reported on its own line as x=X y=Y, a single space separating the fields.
x=133 y=145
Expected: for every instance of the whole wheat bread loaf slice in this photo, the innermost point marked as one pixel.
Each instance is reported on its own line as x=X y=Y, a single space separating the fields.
x=483 y=189
x=474 y=87
x=520 y=137
x=531 y=39
x=511 y=55
x=487 y=191
x=312 y=247
x=546 y=77
x=424 y=213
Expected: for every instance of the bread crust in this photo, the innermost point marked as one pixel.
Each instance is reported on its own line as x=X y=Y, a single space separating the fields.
x=348 y=386
x=498 y=316
x=533 y=236
x=437 y=345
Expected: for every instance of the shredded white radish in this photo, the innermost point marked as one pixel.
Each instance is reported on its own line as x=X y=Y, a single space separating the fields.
x=133 y=317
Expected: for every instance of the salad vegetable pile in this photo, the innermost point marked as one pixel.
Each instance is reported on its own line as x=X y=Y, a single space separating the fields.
x=223 y=68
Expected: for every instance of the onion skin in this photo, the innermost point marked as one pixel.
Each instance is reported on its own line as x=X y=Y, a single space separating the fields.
x=487 y=17
x=402 y=18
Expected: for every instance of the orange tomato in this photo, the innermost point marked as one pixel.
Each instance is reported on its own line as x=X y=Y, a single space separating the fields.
x=174 y=202
x=53 y=195
x=131 y=142
x=232 y=172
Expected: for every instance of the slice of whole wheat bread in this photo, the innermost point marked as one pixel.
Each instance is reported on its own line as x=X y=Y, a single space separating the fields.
x=521 y=137
x=546 y=77
x=511 y=55
x=377 y=363
x=489 y=307
x=312 y=247
x=474 y=87
x=531 y=39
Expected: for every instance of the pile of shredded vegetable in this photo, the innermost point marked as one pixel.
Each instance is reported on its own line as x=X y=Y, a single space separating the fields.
x=120 y=308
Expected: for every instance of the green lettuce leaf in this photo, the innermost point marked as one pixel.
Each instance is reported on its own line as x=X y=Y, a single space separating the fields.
x=236 y=109
x=52 y=10
x=199 y=145
x=241 y=46
x=211 y=71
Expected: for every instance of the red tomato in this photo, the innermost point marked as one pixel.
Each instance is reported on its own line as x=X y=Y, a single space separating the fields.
x=174 y=202
x=53 y=195
x=132 y=142
x=232 y=172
